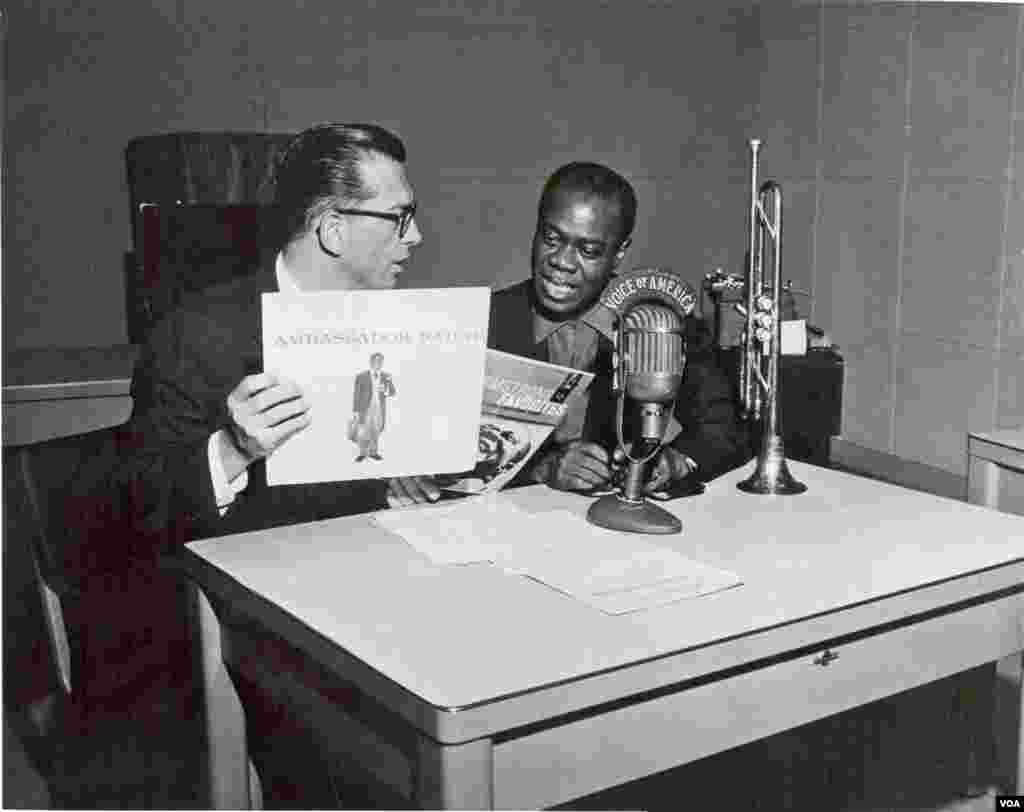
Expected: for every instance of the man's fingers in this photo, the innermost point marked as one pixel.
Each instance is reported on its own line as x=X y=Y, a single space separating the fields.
x=396 y=495
x=261 y=439
x=266 y=409
x=264 y=390
x=592 y=451
x=268 y=438
x=282 y=431
x=586 y=481
x=582 y=464
x=412 y=490
x=578 y=477
x=273 y=395
x=659 y=479
x=669 y=466
x=421 y=488
x=283 y=411
x=429 y=488
x=592 y=476
x=398 y=488
x=251 y=384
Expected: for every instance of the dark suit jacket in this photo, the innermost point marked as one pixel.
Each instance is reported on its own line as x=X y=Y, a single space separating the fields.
x=705 y=406
x=363 y=392
x=191 y=362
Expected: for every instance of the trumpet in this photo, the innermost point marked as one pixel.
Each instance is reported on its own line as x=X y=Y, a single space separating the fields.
x=759 y=364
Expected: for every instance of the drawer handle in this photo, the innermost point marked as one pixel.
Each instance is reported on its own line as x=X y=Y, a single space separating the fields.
x=826 y=658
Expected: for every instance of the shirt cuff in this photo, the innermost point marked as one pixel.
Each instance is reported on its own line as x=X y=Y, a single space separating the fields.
x=224 y=490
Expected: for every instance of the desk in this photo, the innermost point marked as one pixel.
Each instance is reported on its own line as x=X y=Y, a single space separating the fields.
x=49 y=393
x=475 y=688
x=991 y=456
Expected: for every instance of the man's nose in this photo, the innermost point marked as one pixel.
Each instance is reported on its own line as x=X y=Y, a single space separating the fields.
x=413 y=236
x=563 y=258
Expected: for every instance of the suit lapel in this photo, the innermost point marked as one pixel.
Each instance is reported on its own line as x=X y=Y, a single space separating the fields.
x=512 y=322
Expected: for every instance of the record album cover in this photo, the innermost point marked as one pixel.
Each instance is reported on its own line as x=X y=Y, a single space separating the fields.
x=523 y=401
x=393 y=378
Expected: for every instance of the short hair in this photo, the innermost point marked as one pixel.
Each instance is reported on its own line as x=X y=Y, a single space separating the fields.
x=320 y=166
x=593 y=179
x=377 y=355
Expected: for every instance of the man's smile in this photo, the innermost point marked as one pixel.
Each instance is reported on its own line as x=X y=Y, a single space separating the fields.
x=557 y=288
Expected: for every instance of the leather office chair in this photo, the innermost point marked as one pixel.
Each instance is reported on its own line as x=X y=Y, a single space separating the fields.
x=188 y=169
x=122 y=727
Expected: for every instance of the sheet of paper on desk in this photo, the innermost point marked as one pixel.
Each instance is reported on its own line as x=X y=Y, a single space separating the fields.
x=466 y=531
x=614 y=572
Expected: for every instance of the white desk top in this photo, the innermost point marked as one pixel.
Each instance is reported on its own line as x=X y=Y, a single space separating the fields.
x=58 y=374
x=457 y=636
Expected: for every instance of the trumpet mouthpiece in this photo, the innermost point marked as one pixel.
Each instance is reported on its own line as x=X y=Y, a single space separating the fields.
x=755 y=144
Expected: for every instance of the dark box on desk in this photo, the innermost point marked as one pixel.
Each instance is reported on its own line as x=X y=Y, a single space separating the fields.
x=810 y=400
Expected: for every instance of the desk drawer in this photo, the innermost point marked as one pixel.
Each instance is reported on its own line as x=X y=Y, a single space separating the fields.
x=561 y=763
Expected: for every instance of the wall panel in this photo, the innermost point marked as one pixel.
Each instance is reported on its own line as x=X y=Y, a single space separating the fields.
x=490 y=97
x=865 y=69
x=951 y=259
x=940 y=392
x=961 y=89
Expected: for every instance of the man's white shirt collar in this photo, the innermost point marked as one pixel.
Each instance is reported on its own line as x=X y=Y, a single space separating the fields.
x=285 y=281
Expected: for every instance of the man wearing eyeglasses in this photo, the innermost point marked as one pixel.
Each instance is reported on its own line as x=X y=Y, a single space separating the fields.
x=206 y=417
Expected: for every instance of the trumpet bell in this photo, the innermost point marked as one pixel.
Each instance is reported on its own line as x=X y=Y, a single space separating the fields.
x=771 y=474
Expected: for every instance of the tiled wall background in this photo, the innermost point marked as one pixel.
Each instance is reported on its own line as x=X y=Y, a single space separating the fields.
x=895 y=129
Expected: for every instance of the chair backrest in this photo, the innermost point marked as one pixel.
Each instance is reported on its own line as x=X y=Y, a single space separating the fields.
x=200 y=168
x=186 y=169
x=190 y=247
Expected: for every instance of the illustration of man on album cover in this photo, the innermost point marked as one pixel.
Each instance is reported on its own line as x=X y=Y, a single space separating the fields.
x=369 y=408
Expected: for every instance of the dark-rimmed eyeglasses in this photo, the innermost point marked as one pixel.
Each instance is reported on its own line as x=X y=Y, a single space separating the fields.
x=403 y=220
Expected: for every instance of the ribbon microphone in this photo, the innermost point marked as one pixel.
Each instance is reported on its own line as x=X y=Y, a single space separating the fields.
x=651 y=306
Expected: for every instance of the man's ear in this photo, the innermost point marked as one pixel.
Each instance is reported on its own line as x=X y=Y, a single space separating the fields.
x=621 y=252
x=331 y=233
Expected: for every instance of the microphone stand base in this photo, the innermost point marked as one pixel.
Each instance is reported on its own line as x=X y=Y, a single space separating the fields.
x=615 y=513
